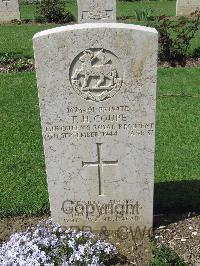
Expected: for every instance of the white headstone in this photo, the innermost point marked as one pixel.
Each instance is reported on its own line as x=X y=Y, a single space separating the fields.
x=97 y=92
x=186 y=7
x=96 y=11
x=9 y=10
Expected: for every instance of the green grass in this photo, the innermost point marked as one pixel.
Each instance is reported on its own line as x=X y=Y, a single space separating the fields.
x=18 y=38
x=163 y=255
x=177 y=141
x=183 y=81
x=22 y=175
x=123 y=8
x=178 y=147
x=159 y=8
x=28 y=11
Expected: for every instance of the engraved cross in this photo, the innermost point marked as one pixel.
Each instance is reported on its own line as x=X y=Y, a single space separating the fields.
x=99 y=163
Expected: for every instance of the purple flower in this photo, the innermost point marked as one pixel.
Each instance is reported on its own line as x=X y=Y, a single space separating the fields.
x=43 y=244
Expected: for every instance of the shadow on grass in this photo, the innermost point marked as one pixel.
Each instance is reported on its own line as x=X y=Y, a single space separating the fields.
x=175 y=200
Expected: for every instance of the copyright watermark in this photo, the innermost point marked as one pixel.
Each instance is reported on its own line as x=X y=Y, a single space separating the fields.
x=79 y=208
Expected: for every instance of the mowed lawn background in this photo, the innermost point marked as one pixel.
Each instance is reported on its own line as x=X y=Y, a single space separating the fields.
x=124 y=8
x=18 y=38
x=23 y=186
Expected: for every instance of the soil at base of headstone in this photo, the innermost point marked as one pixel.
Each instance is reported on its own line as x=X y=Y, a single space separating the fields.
x=11 y=68
x=183 y=237
x=130 y=253
x=191 y=62
x=11 y=225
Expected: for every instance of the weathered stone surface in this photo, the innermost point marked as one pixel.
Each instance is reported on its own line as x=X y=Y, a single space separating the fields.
x=96 y=11
x=186 y=7
x=97 y=92
x=9 y=10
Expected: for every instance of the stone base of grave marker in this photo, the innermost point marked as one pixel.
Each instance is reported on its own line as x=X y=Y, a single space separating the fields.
x=96 y=11
x=97 y=92
x=186 y=7
x=9 y=10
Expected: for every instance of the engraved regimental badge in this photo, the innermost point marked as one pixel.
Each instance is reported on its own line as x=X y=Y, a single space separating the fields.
x=96 y=74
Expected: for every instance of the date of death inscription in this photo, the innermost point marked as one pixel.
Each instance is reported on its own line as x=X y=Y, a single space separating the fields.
x=98 y=122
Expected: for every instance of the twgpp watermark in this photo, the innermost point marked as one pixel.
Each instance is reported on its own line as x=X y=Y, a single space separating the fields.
x=112 y=211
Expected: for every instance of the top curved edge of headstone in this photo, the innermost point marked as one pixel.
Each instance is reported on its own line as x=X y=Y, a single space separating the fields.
x=93 y=26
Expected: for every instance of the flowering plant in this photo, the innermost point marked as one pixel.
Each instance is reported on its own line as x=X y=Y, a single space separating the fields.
x=49 y=244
